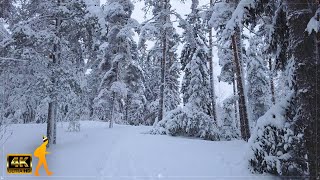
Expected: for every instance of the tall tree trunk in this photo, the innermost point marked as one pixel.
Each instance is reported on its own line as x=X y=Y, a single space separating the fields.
x=127 y=109
x=210 y=61
x=54 y=134
x=305 y=55
x=52 y=107
x=50 y=120
x=244 y=125
x=163 y=63
x=273 y=100
x=113 y=109
x=114 y=95
x=235 y=103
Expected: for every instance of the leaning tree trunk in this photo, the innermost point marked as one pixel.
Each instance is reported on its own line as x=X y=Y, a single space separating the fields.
x=306 y=83
x=244 y=124
x=163 y=63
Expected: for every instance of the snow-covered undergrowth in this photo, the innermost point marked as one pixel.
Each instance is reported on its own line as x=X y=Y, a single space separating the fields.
x=186 y=121
x=126 y=152
x=273 y=142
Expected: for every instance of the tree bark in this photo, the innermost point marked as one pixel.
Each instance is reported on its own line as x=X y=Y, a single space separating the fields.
x=244 y=125
x=163 y=64
x=50 y=120
x=273 y=100
x=114 y=96
x=236 y=120
x=52 y=107
x=210 y=61
x=306 y=84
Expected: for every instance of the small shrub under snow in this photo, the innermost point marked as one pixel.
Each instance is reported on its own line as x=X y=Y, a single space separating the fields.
x=186 y=121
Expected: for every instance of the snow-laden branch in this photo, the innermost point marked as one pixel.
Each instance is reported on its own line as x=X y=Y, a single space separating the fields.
x=314 y=23
x=239 y=15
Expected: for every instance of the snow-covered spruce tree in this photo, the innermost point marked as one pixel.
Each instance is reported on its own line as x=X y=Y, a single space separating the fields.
x=291 y=124
x=229 y=128
x=171 y=90
x=195 y=42
x=273 y=143
x=135 y=101
x=193 y=119
x=258 y=87
x=120 y=56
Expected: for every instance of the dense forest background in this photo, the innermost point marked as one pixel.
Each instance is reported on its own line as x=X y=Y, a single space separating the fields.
x=71 y=60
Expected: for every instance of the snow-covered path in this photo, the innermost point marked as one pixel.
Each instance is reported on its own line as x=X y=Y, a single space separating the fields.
x=126 y=152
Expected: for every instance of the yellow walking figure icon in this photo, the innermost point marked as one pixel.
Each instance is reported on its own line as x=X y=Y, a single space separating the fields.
x=40 y=153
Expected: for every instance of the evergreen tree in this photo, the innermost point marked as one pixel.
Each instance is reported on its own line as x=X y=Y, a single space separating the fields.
x=257 y=81
x=117 y=85
x=193 y=119
x=193 y=58
x=52 y=46
x=229 y=129
x=295 y=119
x=163 y=57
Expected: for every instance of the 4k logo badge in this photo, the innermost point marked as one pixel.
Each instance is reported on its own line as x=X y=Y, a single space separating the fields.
x=19 y=164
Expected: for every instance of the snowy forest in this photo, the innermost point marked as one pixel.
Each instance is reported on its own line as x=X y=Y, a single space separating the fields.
x=68 y=61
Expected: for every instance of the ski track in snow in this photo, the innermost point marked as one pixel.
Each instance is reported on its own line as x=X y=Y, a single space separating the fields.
x=125 y=152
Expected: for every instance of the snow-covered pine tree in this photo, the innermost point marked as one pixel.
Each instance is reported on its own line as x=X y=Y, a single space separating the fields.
x=231 y=33
x=54 y=61
x=33 y=37
x=94 y=41
x=162 y=59
x=119 y=56
x=84 y=44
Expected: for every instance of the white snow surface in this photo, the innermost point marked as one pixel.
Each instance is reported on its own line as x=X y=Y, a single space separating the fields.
x=127 y=152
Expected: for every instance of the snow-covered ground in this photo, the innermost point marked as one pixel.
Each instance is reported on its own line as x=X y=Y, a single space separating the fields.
x=126 y=152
